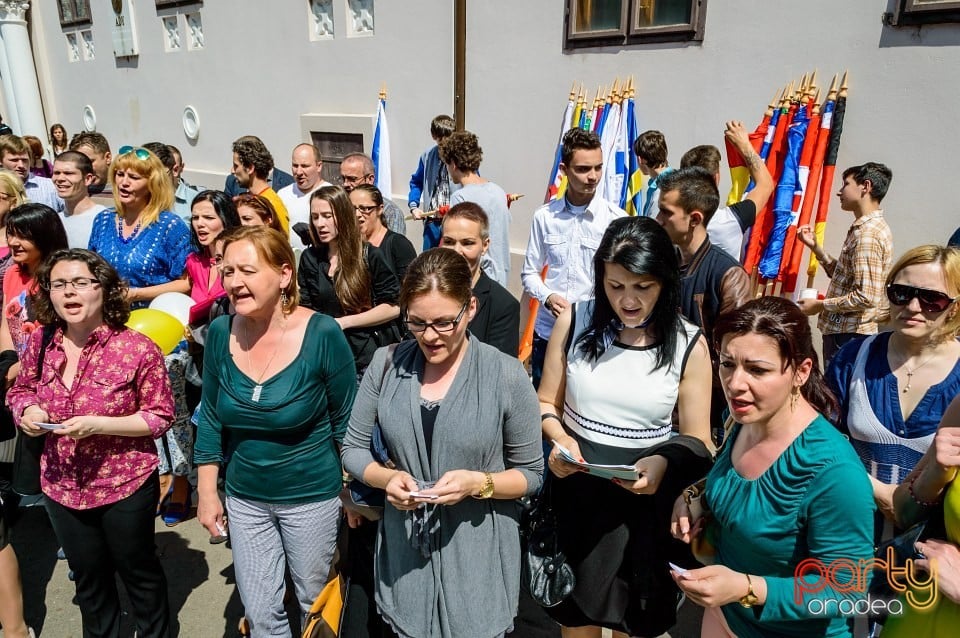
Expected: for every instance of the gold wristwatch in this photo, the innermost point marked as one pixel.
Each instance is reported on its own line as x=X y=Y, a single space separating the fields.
x=750 y=599
x=486 y=489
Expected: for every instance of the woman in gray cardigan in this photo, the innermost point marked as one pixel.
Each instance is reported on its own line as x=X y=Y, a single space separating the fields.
x=461 y=423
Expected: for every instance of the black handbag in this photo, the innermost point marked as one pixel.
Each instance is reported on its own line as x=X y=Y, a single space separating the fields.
x=545 y=572
x=26 y=459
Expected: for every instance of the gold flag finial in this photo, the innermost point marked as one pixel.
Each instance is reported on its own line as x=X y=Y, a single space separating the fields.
x=843 y=84
x=383 y=91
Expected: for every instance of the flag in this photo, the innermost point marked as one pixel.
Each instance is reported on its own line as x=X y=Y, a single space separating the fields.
x=634 y=187
x=792 y=270
x=826 y=182
x=556 y=177
x=764 y=221
x=381 y=150
x=610 y=186
x=769 y=266
x=739 y=173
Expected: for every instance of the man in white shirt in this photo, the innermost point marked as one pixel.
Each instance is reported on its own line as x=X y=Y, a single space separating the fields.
x=564 y=237
x=306 y=163
x=15 y=155
x=72 y=176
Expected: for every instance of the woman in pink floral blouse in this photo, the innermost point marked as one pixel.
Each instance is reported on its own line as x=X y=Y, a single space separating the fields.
x=100 y=394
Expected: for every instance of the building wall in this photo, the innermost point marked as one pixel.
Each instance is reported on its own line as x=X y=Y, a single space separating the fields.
x=259 y=73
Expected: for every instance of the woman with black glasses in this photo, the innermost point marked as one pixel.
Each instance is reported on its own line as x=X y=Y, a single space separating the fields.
x=460 y=423
x=894 y=387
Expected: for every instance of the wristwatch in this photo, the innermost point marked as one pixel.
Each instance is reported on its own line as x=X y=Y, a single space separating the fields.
x=750 y=599
x=486 y=489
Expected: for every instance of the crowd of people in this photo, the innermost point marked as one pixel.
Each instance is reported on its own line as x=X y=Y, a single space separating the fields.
x=333 y=385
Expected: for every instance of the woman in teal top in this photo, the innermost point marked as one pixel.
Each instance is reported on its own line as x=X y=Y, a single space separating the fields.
x=278 y=386
x=787 y=493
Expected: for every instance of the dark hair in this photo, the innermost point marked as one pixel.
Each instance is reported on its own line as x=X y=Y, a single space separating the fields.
x=696 y=189
x=781 y=320
x=96 y=141
x=116 y=310
x=251 y=151
x=462 y=149
x=441 y=126
x=375 y=195
x=163 y=153
x=351 y=281
x=879 y=175
x=78 y=159
x=40 y=224
x=441 y=269
x=222 y=205
x=706 y=156
x=577 y=139
x=55 y=127
x=36 y=147
x=641 y=246
x=470 y=211
x=651 y=147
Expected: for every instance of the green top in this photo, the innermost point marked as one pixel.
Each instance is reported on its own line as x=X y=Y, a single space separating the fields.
x=814 y=502
x=283 y=447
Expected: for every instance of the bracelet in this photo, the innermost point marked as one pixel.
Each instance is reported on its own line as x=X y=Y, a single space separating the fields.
x=916 y=499
x=550 y=415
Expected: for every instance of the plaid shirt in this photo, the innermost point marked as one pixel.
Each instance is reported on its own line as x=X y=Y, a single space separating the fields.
x=856 y=301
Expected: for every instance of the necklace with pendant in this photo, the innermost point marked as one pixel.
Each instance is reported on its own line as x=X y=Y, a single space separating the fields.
x=910 y=372
x=258 y=388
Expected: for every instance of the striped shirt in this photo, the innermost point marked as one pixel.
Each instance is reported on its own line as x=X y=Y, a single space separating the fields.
x=855 y=300
x=40 y=190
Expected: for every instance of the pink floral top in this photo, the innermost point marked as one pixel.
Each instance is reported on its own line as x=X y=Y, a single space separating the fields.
x=18 y=306
x=198 y=270
x=120 y=373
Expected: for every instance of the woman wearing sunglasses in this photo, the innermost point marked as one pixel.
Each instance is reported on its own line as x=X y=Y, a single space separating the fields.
x=894 y=387
x=397 y=250
x=148 y=245
x=460 y=423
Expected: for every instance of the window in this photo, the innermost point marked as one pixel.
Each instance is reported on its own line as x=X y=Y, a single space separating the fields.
x=917 y=12
x=73 y=12
x=591 y=23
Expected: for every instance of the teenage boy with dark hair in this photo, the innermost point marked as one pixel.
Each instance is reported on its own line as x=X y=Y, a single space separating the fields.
x=651 y=151
x=430 y=184
x=855 y=303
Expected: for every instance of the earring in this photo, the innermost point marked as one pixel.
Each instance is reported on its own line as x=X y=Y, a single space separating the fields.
x=284 y=299
x=794 y=398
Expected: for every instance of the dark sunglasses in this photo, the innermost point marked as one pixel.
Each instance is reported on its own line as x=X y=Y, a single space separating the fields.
x=141 y=153
x=930 y=300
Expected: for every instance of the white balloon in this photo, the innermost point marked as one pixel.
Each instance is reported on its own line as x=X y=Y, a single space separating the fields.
x=175 y=304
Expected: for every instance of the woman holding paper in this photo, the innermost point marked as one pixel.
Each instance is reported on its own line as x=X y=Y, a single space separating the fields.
x=104 y=389
x=615 y=368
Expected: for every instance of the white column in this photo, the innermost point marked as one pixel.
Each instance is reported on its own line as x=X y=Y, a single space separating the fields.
x=20 y=79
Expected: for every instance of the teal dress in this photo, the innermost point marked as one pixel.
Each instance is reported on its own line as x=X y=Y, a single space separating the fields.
x=282 y=447
x=814 y=502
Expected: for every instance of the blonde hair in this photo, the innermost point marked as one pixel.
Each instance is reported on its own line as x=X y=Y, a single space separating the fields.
x=158 y=183
x=274 y=249
x=948 y=259
x=11 y=185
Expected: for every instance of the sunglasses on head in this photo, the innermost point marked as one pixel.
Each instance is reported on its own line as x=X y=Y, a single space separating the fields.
x=141 y=153
x=930 y=300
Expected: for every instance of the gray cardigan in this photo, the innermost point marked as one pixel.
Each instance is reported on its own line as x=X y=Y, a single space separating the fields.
x=488 y=421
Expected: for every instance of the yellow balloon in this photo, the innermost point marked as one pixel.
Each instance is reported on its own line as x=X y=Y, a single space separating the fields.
x=163 y=329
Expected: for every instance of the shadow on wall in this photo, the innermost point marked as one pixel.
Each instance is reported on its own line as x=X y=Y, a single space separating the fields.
x=927 y=35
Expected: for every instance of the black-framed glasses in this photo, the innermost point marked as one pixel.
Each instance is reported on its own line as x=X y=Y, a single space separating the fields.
x=440 y=327
x=141 y=153
x=930 y=300
x=350 y=179
x=78 y=283
x=365 y=210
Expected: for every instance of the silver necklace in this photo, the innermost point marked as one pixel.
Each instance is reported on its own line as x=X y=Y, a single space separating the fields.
x=910 y=372
x=258 y=388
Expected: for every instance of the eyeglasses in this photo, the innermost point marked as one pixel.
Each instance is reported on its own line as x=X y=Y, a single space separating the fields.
x=141 y=153
x=365 y=210
x=440 y=327
x=930 y=300
x=78 y=283
x=350 y=179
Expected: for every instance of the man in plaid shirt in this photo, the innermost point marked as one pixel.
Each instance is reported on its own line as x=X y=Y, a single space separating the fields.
x=855 y=301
